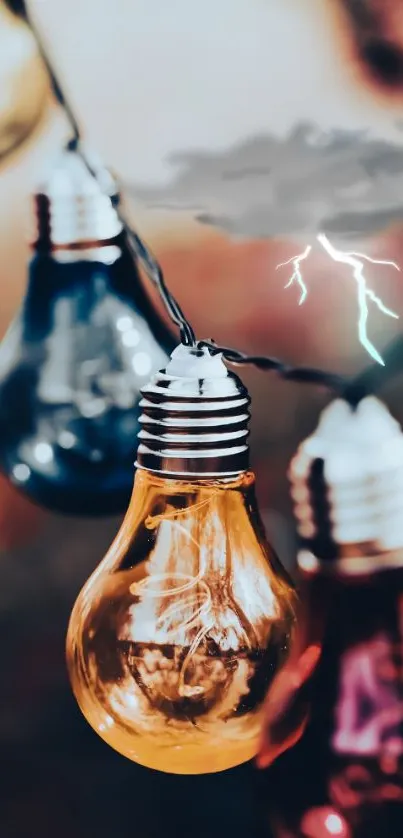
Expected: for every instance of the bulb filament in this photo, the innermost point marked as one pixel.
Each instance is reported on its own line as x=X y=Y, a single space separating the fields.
x=199 y=604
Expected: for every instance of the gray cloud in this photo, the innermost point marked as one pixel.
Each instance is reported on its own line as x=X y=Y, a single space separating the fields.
x=344 y=183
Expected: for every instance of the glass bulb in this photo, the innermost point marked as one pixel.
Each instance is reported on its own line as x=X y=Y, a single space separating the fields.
x=332 y=738
x=177 y=635
x=24 y=83
x=74 y=360
x=71 y=369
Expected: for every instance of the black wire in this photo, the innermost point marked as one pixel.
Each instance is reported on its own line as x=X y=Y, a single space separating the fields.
x=143 y=254
x=352 y=390
x=56 y=86
x=138 y=248
x=308 y=375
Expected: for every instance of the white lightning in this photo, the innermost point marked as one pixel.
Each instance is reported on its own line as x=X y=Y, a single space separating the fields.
x=364 y=293
x=297 y=275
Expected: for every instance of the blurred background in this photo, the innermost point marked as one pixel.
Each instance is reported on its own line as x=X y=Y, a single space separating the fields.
x=148 y=80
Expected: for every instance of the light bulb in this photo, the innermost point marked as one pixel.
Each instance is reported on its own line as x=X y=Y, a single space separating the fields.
x=24 y=84
x=175 y=638
x=73 y=362
x=332 y=737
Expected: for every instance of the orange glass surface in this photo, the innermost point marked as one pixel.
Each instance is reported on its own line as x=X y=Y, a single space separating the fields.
x=177 y=635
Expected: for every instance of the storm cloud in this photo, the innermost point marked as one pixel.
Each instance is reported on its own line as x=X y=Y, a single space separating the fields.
x=343 y=183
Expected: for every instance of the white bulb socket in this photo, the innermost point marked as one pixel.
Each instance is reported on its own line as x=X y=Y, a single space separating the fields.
x=361 y=451
x=196 y=363
x=195 y=418
x=73 y=208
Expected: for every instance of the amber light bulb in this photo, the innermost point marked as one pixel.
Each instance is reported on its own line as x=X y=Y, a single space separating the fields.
x=177 y=635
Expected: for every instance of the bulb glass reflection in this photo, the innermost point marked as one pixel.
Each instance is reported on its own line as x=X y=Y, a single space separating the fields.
x=73 y=362
x=332 y=738
x=71 y=369
x=177 y=635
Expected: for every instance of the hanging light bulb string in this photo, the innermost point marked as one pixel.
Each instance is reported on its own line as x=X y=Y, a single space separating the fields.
x=56 y=86
x=351 y=389
x=139 y=249
x=308 y=375
x=152 y=268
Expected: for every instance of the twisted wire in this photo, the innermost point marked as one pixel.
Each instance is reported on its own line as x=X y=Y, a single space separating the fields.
x=351 y=389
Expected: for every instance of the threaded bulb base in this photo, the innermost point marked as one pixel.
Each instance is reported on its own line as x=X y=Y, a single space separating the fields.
x=347 y=483
x=194 y=420
x=73 y=209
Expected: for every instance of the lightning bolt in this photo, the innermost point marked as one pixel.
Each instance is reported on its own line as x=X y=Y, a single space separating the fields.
x=355 y=260
x=297 y=275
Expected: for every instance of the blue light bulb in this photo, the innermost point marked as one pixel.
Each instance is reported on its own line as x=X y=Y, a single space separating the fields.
x=74 y=360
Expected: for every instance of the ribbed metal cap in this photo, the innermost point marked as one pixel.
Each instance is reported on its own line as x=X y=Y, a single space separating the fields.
x=347 y=483
x=73 y=208
x=194 y=418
